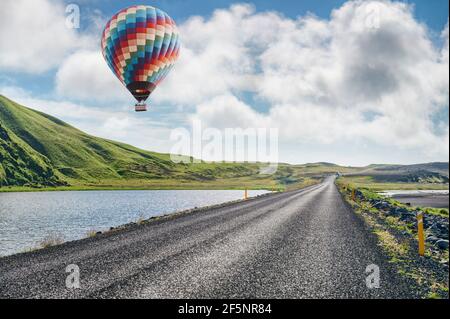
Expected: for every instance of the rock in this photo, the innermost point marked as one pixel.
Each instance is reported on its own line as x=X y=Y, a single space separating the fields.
x=381 y=205
x=444 y=235
x=432 y=239
x=438 y=230
x=442 y=244
x=397 y=211
x=359 y=194
x=98 y=233
x=408 y=217
x=402 y=210
x=428 y=221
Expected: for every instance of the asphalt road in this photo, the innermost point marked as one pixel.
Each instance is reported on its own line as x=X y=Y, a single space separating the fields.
x=302 y=244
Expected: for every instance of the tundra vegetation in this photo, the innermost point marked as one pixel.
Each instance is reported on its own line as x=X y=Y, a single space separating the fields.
x=40 y=152
x=395 y=226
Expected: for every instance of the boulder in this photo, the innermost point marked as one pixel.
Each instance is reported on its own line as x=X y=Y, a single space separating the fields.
x=397 y=211
x=432 y=239
x=359 y=194
x=442 y=244
x=439 y=230
x=408 y=216
x=381 y=205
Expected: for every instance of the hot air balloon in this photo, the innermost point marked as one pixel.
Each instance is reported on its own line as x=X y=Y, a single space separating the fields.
x=140 y=45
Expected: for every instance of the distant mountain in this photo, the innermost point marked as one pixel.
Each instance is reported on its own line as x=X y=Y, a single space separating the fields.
x=436 y=167
x=437 y=172
x=39 y=150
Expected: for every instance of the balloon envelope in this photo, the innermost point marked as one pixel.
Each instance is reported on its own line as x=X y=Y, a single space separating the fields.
x=140 y=45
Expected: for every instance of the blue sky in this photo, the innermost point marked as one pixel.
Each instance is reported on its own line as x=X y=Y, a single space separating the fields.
x=432 y=12
x=335 y=92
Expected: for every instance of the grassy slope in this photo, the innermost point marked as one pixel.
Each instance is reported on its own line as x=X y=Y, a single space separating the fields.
x=19 y=163
x=418 y=176
x=39 y=150
x=369 y=182
x=83 y=161
x=399 y=240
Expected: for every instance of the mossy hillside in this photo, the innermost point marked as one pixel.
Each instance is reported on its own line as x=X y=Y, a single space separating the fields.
x=38 y=149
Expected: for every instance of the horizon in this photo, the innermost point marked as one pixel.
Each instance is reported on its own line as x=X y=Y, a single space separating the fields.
x=293 y=164
x=327 y=84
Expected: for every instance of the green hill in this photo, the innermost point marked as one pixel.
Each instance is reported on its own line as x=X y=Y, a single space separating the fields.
x=22 y=165
x=38 y=150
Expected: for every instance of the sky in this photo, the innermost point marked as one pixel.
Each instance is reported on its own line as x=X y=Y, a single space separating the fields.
x=349 y=82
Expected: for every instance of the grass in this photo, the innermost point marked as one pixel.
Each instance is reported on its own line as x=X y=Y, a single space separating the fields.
x=49 y=241
x=391 y=244
x=399 y=241
x=370 y=189
x=220 y=184
x=40 y=152
x=436 y=211
x=91 y=233
x=82 y=160
x=369 y=182
x=141 y=219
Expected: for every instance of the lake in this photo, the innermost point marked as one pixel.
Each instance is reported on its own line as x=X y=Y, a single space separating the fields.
x=26 y=219
x=420 y=198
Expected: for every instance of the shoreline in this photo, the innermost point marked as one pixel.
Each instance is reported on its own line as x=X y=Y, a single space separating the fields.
x=130 y=188
x=140 y=223
x=200 y=186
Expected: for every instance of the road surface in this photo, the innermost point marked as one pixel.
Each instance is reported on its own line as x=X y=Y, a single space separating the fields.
x=301 y=244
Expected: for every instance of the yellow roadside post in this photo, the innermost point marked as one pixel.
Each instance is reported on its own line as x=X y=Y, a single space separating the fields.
x=420 y=233
x=246 y=194
x=353 y=195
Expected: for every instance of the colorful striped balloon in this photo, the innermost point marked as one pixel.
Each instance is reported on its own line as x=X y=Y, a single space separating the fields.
x=140 y=45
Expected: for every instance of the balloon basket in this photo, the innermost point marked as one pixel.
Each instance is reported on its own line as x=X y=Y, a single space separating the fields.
x=140 y=107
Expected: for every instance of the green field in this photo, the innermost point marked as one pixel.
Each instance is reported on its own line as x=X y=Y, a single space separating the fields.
x=40 y=152
x=219 y=184
x=370 y=182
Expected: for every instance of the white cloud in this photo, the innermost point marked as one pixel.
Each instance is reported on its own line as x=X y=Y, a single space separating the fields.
x=34 y=37
x=227 y=112
x=327 y=81
x=369 y=75
x=85 y=76
x=122 y=126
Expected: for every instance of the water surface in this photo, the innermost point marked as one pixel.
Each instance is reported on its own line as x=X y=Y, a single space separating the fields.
x=420 y=198
x=26 y=219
